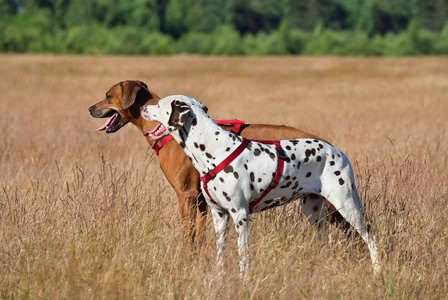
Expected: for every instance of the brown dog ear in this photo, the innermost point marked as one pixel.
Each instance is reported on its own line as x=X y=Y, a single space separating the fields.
x=129 y=90
x=180 y=112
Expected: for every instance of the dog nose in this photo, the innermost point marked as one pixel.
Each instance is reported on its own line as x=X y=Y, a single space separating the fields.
x=90 y=108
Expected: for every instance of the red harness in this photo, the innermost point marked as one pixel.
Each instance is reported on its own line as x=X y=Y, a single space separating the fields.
x=237 y=124
x=278 y=173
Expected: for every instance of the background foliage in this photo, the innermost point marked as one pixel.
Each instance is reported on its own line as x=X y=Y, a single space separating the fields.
x=225 y=27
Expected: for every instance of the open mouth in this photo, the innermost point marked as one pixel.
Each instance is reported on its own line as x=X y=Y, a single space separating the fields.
x=156 y=132
x=111 y=124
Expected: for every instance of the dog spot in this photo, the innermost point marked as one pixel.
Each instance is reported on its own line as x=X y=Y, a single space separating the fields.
x=252 y=187
x=196 y=145
x=240 y=223
x=202 y=147
x=249 y=146
x=227 y=149
x=237 y=226
x=321 y=146
x=222 y=179
x=195 y=122
x=233 y=210
x=257 y=152
x=293 y=156
x=236 y=175
x=287 y=177
x=217 y=132
x=245 y=166
x=298 y=165
x=288 y=147
x=259 y=179
x=308 y=174
x=214 y=188
x=268 y=201
x=286 y=185
x=182 y=144
x=339 y=155
x=228 y=169
x=308 y=142
x=319 y=158
x=220 y=214
x=332 y=156
x=227 y=196
x=337 y=173
x=331 y=163
x=271 y=155
x=252 y=176
x=208 y=155
x=315 y=208
x=244 y=220
x=295 y=185
x=341 y=181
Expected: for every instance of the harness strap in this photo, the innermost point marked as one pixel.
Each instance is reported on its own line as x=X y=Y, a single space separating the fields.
x=278 y=172
x=212 y=173
x=237 y=127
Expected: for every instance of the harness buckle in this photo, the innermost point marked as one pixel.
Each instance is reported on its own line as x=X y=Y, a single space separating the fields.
x=281 y=154
x=209 y=176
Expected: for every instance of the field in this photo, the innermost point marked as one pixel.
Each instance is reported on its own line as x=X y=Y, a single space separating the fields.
x=86 y=214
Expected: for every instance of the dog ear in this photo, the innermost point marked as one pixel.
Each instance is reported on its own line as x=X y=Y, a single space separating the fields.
x=129 y=90
x=180 y=112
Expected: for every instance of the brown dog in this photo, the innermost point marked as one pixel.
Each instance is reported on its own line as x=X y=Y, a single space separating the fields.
x=122 y=105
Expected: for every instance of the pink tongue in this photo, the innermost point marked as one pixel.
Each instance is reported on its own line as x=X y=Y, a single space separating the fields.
x=110 y=120
x=156 y=131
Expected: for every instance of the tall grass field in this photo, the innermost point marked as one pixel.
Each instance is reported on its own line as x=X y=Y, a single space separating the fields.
x=89 y=215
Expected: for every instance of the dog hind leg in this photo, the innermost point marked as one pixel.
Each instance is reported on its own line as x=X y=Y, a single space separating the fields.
x=348 y=204
x=314 y=208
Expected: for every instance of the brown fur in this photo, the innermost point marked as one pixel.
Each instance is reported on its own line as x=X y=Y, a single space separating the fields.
x=126 y=98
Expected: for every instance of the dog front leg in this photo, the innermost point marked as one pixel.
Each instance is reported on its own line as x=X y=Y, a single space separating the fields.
x=241 y=220
x=220 y=220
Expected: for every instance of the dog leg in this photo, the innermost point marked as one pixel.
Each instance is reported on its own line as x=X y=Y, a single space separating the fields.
x=241 y=219
x=220 y=220
x=314 y=208
x=350 y=207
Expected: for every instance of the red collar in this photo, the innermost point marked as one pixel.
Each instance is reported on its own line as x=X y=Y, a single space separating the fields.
x=159 y=144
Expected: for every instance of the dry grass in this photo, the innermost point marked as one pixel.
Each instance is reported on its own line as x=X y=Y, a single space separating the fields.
x=89 y=215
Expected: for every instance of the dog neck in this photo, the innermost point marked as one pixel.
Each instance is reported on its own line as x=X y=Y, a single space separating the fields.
x=205 y=142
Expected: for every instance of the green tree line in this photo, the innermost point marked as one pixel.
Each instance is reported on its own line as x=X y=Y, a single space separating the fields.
x=225 y=27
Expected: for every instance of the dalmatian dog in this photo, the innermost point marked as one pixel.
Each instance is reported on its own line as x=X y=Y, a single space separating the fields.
x=242 y=177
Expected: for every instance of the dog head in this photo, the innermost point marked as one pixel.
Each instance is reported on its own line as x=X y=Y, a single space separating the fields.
x=171 y=112
x=122 y=104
